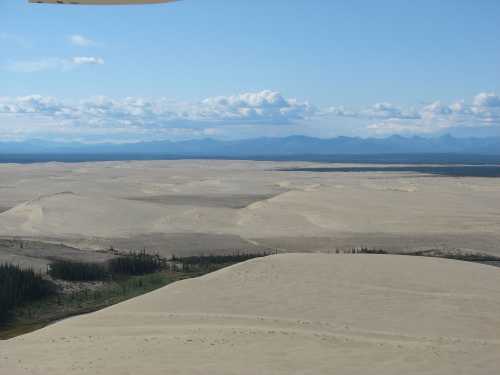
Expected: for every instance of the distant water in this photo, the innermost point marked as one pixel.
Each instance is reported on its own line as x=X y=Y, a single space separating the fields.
x=448 y=164
x=365 y=159
x=77 y=158
x=444 y=170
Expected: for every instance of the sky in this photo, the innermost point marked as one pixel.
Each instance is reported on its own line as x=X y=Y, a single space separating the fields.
x=242 y=69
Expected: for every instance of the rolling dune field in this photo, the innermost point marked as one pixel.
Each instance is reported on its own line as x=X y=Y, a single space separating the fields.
x=167 y=206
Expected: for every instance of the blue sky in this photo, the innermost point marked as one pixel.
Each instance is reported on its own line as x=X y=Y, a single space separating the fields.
x=236 y=69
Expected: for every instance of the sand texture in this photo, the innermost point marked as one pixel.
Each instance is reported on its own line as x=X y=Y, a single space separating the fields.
x=243 y=205
x=287 y=314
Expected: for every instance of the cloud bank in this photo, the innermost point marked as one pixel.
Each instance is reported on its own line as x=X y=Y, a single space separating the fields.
x=155 y=116
x=252 y=113
x=387 y=118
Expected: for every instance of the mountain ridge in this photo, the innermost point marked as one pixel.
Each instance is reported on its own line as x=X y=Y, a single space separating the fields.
x=268 y=146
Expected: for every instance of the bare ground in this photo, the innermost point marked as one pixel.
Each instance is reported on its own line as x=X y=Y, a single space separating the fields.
x=228 y=201
x=39 y=254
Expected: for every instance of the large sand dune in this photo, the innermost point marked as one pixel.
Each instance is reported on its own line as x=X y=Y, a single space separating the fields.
x=68 y=214
x=162 y=203
x=287 y=314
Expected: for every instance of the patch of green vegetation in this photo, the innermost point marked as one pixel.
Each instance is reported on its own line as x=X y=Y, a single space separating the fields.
x=461 y=255
x=37 y=314
x=126 y=277
x=18 y=286
x=465 y=256
x=78 y=271
x=208 y=263
x=136 y=264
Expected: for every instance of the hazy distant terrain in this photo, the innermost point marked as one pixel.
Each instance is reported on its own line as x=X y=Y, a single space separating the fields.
x=295 y=147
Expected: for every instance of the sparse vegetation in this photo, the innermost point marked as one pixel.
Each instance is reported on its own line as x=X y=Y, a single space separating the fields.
x=139 y=263
x=211 y=262
x=365 y=250
x=135 y=263
x=18 y=286
x=78 y=271
x=457 y=255
x=123 y=277
x=466 y=256
x=85 y=299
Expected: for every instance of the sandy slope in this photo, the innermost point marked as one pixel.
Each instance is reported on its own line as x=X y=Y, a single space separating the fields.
x=287 y=314
x=68 y=214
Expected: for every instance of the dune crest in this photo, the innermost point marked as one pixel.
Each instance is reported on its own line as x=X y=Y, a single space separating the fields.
x=294 y=313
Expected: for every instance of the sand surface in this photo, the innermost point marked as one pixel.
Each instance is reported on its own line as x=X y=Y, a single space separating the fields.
x=244 y=205
x=287 y=314
x=38 y=255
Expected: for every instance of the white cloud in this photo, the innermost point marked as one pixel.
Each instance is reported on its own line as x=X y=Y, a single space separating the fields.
x=267 y=106
x=487 y=99
x=252 y=113
x=340 y=111
x=85 y=60
x=460 y=107
x=389 y=111
x=145 y=117
x=34 y=104
x=80 y=40
x=381 y=110
x=430 y=118
x=435 y=109
x=33 y=66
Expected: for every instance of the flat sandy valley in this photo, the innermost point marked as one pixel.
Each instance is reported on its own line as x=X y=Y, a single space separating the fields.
x=282 y=314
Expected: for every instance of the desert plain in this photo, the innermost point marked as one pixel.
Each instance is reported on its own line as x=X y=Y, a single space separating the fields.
x=192 y=206
x=298 y=312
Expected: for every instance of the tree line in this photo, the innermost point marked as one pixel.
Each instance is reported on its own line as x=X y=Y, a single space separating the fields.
x=18 y=286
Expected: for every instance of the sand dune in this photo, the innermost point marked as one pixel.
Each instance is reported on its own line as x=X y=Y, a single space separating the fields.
x=287 y=314
x=254 y=201
x=67 y=214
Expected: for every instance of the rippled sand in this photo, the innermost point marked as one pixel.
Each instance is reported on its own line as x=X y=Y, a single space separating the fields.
x=287 y=314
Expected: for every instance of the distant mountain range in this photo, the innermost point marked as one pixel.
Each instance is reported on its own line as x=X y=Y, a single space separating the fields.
x=267 y=147
x=392 y=150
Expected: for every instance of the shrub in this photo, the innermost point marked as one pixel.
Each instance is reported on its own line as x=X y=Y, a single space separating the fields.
x=139 y=263
x=20 y=285
x=211 y=262
x=78 y=271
